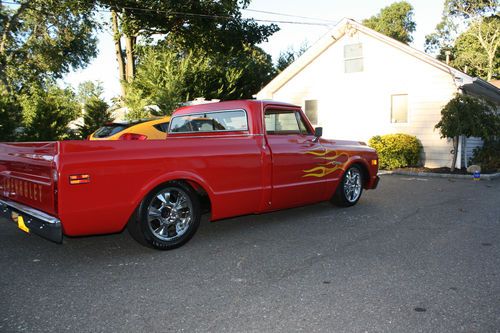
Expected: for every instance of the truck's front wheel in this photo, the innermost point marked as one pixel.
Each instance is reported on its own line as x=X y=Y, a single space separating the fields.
x=168 y=217
x=350 y=188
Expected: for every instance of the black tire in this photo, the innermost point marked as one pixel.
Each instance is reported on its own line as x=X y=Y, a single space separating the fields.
x=350 y=187
x=167 y=218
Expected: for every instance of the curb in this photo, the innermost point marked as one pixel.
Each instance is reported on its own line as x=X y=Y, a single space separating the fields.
x=490 y=176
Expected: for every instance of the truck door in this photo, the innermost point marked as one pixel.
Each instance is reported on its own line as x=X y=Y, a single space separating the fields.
x=295 y=154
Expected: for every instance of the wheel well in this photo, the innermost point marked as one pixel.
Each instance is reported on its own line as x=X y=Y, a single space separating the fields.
x=364 y=172
x=206 y=204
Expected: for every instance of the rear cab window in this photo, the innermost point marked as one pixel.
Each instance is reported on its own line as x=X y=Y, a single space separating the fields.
x=213 y=121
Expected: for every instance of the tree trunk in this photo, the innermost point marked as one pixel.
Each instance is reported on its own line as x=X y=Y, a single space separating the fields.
x=129 y=50
x=118 y=51
x=455 y=153
x=491 y=57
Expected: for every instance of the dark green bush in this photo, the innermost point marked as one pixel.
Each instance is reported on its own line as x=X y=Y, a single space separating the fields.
x=488 y=156
x=396 y=150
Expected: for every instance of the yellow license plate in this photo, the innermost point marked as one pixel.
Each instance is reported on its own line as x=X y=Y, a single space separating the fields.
x=21 y=224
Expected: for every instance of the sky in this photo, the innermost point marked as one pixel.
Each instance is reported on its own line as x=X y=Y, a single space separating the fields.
x=427 y=13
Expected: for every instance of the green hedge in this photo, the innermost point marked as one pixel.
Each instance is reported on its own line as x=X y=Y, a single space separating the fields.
x=396 y=150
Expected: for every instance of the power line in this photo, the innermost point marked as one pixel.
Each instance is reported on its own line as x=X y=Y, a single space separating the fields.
x=288 y=15
x=221 y=16
x=212 y=16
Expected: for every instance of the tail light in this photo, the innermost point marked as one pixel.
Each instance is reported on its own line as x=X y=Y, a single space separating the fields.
x=132 y=136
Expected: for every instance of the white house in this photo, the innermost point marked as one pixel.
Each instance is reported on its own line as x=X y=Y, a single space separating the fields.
x=357 y=83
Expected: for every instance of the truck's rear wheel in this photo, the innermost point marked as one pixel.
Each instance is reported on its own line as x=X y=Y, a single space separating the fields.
x=350 y=188
x=167 y=218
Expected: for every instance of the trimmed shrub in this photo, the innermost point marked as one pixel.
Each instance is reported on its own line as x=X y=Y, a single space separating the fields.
x=488 y=156
x=396 y=150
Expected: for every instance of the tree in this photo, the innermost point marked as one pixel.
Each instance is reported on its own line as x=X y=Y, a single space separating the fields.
x=168 y=75
x=395 y=21
x=95 y=109
x=286 y=58
x=96 y=114
x=43 y=39
x=40 y=41
x=470 y=32
x=468 y=116
x=216 y=26
x=89 y=89
x=47 y=111
x=476 y=50
x=10 y=112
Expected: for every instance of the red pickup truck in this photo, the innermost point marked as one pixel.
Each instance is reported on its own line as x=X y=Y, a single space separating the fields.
x=232 y=158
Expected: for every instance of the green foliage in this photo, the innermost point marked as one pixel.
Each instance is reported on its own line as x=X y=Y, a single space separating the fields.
x=286 y=58
x=89 y=89
x=208 y=24
x=217 y=27
x=469 y=49
x=40 y=41
x=96 y=115
x=47 y=113
x=469 y=116
x=395 y=21
x=168 y=75
x=442 y=39
x=10 y=112
x=488 y=156
x=467 y=9
x=470 y=32
x=43 y=39
x=396 y=150
x=95 y=109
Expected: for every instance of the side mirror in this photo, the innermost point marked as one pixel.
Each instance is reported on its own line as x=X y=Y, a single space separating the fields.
x=318 y=133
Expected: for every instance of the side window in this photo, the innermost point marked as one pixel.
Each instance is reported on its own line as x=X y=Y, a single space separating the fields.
x=162 y=127
x=210 y=122
x=282 y=122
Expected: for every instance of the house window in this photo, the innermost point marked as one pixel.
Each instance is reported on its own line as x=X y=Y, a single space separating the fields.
x=311 y=110
x=399 y=108
x=353 y=58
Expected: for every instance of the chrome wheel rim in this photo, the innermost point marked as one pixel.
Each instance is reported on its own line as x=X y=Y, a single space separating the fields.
x=170 y=214
x=352 y=185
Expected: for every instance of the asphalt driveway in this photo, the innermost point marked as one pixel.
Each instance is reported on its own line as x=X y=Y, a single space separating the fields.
x=415 y=255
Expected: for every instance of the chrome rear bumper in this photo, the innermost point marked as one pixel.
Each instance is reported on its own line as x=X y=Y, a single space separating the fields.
x=38 y=222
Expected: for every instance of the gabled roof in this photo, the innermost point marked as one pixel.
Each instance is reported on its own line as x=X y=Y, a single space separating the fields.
x=347 y=25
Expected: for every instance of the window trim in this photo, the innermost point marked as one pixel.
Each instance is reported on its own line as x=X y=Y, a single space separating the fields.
x=204 y=113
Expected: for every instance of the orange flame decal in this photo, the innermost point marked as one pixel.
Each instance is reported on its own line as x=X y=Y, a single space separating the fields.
x=325 y=169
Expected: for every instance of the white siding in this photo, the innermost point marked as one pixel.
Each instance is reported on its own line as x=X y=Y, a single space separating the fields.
x=470 y=145
x=358 y=105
